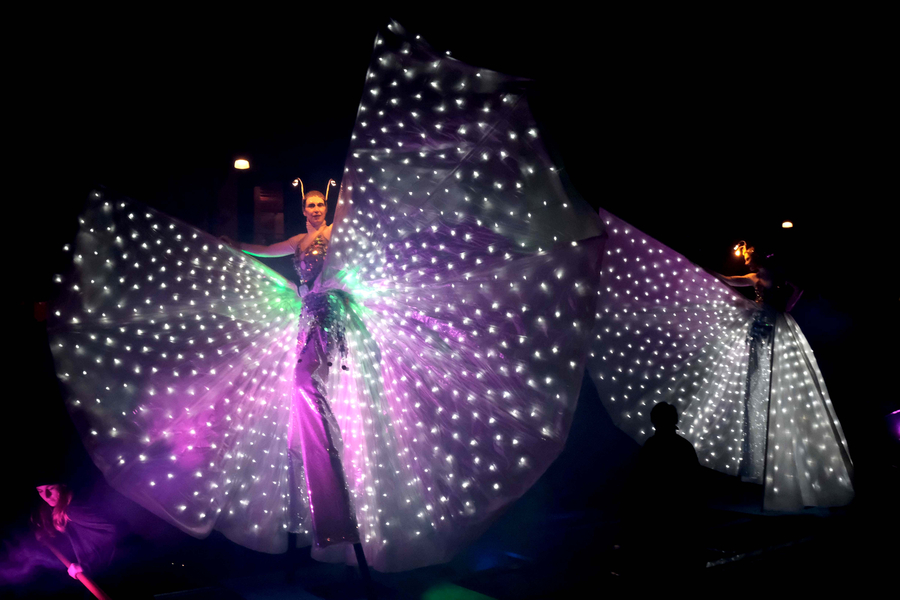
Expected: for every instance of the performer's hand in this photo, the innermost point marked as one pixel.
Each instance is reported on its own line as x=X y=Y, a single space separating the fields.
x=723 y=278
x=74 y=570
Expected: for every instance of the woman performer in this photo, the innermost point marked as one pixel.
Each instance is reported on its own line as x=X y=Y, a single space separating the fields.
x=773 y=295
x=315 y=436
x=741 y=373
x=72 y=528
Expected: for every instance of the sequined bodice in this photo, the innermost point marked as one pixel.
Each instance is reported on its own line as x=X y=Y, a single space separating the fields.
x=308 y=263
x=775 y=296
x=760 y=290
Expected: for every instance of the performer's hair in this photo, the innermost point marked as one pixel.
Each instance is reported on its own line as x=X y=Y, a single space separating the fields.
x=312 y=194
x=47 y=520
x=762 y=258
x=758 y=258
x=755 y=258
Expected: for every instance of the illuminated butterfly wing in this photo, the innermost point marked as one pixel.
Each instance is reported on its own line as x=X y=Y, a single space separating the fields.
x=666 y=330
x=473 y=277
x=808 y=458
x=175 y=353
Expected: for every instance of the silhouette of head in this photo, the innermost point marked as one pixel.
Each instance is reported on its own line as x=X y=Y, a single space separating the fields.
x=664 y=417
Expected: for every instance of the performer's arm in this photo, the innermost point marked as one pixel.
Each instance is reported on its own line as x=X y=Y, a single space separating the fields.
x=342 y=208
x=285 y=248
x=795 y=295
x=307 y=241
x=748 y=280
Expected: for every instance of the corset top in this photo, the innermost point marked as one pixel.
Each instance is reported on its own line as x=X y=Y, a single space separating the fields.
x=308 y=263
x=775 y=296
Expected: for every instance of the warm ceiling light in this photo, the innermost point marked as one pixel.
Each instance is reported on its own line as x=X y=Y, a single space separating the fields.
x=242 y=164
x=787 y=225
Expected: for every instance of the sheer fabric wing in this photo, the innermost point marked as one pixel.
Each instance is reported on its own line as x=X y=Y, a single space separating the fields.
x=473 y=278
x=808 y=458
x=668 y=331
x=175 y=353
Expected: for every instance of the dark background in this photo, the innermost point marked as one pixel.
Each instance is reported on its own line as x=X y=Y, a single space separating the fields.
x=698 y=128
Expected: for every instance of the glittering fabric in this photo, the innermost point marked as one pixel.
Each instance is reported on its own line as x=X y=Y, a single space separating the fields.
x=315 y=444
x=324 y=312
x=763 y=325
x=308 y=263
x=315 y=435
x=760 y=339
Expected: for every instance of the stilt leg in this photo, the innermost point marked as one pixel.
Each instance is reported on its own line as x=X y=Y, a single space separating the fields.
x=291 y=559
x=315 y=433
x=364 y=570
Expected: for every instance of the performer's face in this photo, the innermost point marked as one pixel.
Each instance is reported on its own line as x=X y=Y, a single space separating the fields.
x=314 y=209
x=49 y=494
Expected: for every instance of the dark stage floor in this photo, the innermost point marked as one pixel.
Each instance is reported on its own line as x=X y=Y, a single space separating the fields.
x=557 y=541
x=568 y=555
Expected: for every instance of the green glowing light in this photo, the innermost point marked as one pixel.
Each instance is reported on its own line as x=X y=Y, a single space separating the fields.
x=448 y=591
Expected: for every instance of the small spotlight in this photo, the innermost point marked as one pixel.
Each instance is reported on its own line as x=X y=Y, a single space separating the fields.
x=787 y=225
x=241 y=164
x=295 y=182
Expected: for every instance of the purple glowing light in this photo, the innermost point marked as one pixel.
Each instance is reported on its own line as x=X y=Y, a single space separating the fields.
x=893 y=420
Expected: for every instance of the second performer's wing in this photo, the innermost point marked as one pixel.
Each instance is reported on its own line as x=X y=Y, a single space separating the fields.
x=667 y=330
